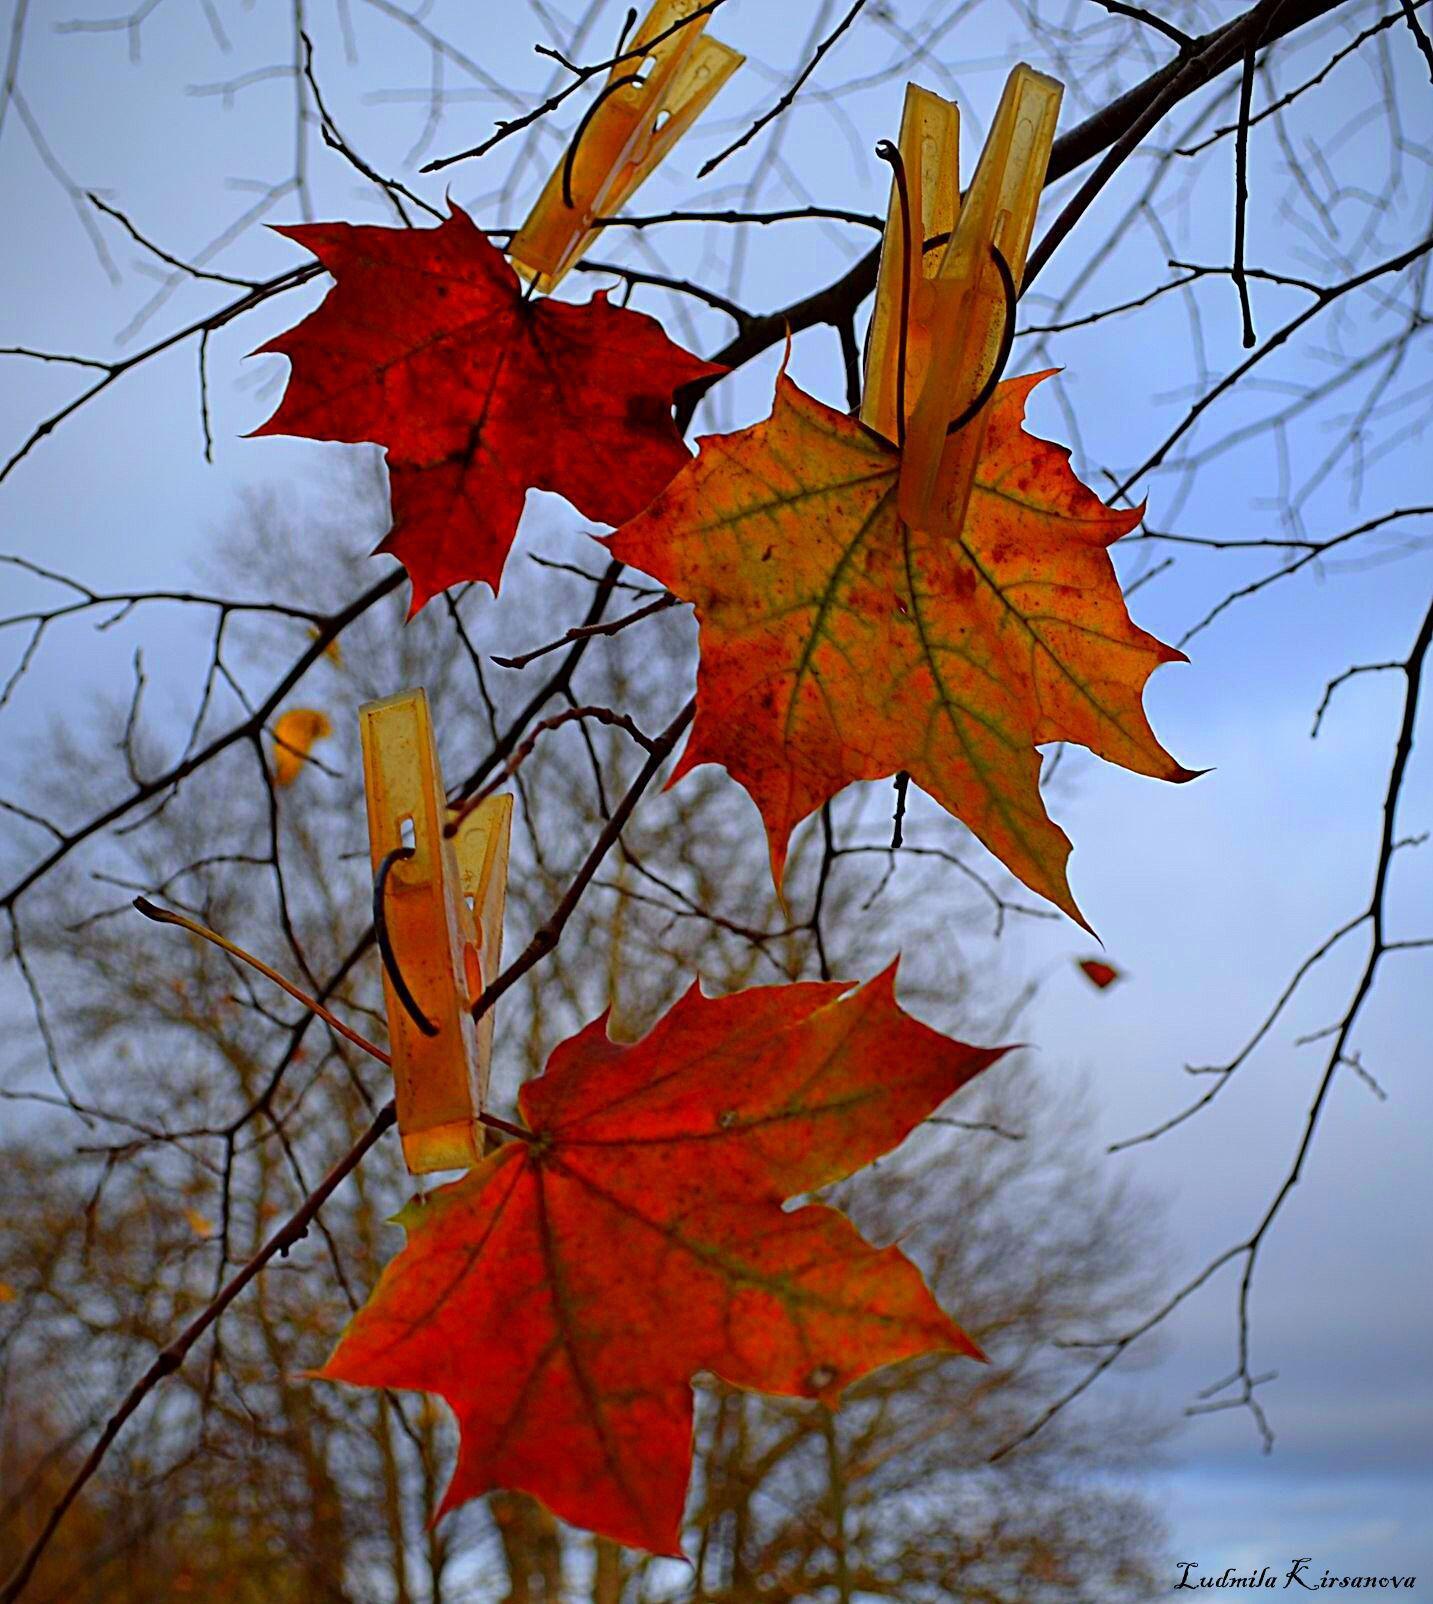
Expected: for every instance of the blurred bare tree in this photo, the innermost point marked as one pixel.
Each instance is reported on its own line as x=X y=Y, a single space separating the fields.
x=249 y=1481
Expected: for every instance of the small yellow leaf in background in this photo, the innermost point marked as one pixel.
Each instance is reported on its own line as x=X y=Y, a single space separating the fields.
x=7 y=1292
x=332 y=651
x=200 y=1226
x=294 y=734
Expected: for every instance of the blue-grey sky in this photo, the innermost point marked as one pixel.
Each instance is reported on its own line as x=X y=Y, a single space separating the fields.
x=1209 y=894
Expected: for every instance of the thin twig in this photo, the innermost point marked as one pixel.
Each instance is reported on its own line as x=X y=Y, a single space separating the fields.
x=773 y=112
x=1241 y=192
x=1416 y=27
x=520 y=754
x=547 y=936
x=507 y=128
x=1148 y=18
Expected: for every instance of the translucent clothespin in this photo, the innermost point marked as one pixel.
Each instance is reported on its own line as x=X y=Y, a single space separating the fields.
x=647 y=104
x=972 y=300
x=930 y=160
x=438 y=915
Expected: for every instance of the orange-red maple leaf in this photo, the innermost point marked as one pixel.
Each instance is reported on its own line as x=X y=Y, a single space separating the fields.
x=562 y=1295
x=427 y=345
x=837 y=644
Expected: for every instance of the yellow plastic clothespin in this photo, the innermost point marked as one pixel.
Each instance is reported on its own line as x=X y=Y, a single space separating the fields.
x=930 y=158
x=969 y=305
x=438 y=914
x=648 y=103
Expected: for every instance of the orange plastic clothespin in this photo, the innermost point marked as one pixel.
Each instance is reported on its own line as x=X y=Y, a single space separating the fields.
x=438 y=914
x=649 y=101
x=970 y=304
x=930 y=157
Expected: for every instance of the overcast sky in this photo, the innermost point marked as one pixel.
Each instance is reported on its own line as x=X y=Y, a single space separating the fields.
x=1209 y=894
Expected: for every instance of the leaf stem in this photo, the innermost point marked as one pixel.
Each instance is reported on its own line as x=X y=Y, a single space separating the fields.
x=519 y=1133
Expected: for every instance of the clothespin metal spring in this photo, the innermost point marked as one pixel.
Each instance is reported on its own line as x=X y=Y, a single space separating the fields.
x=1007 y=342
x=391 y=967
x=890 y=153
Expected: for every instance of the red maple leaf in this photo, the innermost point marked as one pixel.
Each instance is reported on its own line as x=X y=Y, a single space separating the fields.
x=426 y=345
x=562 y=1295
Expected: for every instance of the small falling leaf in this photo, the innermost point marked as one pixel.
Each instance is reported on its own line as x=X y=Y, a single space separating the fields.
x=1099 y=973
x=7 y=1292
x=294 y=736
x=202 y=1228
x=333 y=651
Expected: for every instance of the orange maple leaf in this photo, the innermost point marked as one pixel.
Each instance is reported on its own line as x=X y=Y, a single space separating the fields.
x=838 y=644
x=562 y=1295
x=427 y=345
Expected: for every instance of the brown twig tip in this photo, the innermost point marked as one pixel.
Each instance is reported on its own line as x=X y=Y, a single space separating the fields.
x=163 y=916
x=1185 y=41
